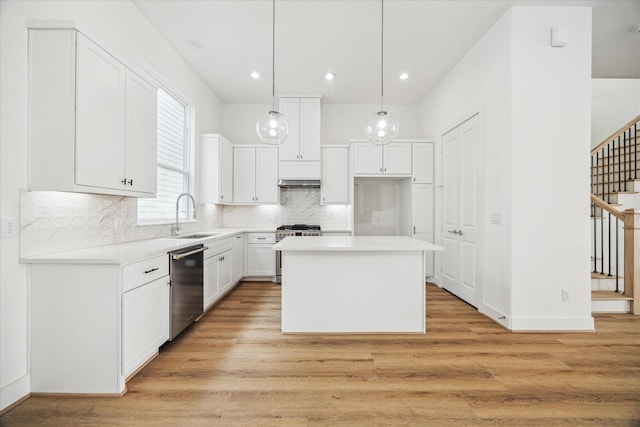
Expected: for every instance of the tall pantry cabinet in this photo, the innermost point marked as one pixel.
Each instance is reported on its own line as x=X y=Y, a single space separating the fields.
x=93 y=120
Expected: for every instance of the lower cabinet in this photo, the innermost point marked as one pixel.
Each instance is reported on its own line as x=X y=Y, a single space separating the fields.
x=145 y=323
x=261 y=258
x=220 y=268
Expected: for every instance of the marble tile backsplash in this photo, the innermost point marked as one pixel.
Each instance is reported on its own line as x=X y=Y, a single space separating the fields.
x=54 y=222
x=297 y=206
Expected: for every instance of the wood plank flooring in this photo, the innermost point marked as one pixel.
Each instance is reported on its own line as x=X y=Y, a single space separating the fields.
x=235 y=368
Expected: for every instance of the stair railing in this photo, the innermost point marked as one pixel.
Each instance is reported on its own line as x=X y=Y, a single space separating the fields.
x=614 y=163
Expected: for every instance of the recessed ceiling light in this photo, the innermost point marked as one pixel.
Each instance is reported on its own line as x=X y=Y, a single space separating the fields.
x=195 y=43
x=255 y=75
x=329 y=76
x=404 y=76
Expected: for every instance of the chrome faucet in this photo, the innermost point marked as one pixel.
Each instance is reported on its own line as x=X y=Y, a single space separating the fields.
x=175 y=230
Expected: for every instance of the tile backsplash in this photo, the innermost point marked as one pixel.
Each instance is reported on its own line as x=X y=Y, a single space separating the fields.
x=297 y=206
x=54 y=222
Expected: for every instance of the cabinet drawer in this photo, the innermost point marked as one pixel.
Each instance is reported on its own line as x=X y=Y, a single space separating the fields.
x=218 y=247
x=261 y=238
x=139 y=273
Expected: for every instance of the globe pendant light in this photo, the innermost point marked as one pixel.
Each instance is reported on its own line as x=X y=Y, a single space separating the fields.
x=381 y=127
x=273 y=127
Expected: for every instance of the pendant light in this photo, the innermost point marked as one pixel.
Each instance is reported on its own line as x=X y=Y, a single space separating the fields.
x=273 y=127
x=381 y=127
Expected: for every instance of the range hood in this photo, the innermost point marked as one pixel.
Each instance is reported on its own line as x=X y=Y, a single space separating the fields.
x=299 y=183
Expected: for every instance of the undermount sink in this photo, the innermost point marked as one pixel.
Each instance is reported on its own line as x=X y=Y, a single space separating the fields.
x=197 y=236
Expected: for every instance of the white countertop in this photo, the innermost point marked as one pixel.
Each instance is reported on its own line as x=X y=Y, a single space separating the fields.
x=354 y=243
x=124 y=253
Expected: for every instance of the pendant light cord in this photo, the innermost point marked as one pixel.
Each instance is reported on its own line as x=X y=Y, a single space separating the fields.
x=382 y=56
x=273 y=57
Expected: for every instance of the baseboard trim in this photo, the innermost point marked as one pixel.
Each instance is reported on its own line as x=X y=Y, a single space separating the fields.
x=14 y=393
x=552 y=324
x=495 y=315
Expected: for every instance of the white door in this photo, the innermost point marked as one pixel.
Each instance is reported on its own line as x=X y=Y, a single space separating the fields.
x=267 y=175
x=460 y=150
x=422 y=200
x=141 y=135
x=310 y=129
x=397 y=158
x=244 y=175
x=100 y=117
x=335 y=175
x=290 y=148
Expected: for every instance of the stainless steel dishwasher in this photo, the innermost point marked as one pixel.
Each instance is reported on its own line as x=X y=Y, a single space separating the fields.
x=187 y=283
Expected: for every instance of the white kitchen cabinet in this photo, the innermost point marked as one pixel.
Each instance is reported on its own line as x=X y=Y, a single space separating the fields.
x=218 y=261
x=423 y=219
x=389 y=159
x=92 y=325
x=145 y=323
x=255 y=175
x=334 y=187
x=422 y=163
x=300 y=152
x=237 y=260
x=92 y=120
x=224 y=271
x=216 y=166
x=211 y=289
x=261 y=258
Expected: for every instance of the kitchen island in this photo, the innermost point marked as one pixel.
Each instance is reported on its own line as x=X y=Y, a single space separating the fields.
x=353 y=284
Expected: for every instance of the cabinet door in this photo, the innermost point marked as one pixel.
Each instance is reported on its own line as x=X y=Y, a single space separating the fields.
x=290 y=148
x=100 y=117
x=367 y=158
x=141 y=140
x=397 y=158
x=244 y=174
x=310 y=129
x=261 y=260
x=266 y=181
x=237 y=258
x=145 y=323
x=335 y=175
x=422 y=163
x=225 y=261
x=225 y=167
x=212 y=288
x=423 y=219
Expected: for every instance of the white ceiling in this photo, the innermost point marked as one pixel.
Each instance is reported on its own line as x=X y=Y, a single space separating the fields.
x=424 y=38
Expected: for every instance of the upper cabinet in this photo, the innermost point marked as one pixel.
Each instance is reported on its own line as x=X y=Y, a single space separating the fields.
x=422 y=163
x=93 y=121
x=390 y=159
x=216 y=169
x=334 y=187
x=255 y=175
x=300 y=153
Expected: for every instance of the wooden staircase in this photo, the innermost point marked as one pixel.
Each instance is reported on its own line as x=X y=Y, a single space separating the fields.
x=615 y=222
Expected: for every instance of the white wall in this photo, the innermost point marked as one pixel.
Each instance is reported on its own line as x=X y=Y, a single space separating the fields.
x=534 y=105
x=121 y=29
x=551 y=113
x=615 y=102
x=480 y=84
x=339 y=122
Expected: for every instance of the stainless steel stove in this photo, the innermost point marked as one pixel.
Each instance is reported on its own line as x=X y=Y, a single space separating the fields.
x=292 y=230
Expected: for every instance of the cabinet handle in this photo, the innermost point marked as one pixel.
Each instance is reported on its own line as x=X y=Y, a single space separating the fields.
x=262 y=238
x=124 y=181
x=131 y=182
x=238 y=236
x=385 y=169
x=414 y=229
x=221 y=197
x=414 y=180
x=152 y=270
x=380 y=169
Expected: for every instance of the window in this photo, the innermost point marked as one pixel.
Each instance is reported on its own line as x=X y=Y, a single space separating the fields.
x=173 y=163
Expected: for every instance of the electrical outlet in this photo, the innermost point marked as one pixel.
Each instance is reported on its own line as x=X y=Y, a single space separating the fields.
x=566 y=296
x=9 y=227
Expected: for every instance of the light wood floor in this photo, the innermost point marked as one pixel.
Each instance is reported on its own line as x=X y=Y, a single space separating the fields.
x=235 y=368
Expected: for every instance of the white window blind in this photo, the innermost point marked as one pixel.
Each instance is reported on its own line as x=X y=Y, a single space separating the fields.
x=173 y=163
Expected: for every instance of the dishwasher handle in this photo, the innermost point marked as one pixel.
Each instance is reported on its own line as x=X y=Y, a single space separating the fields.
x=186 y=254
